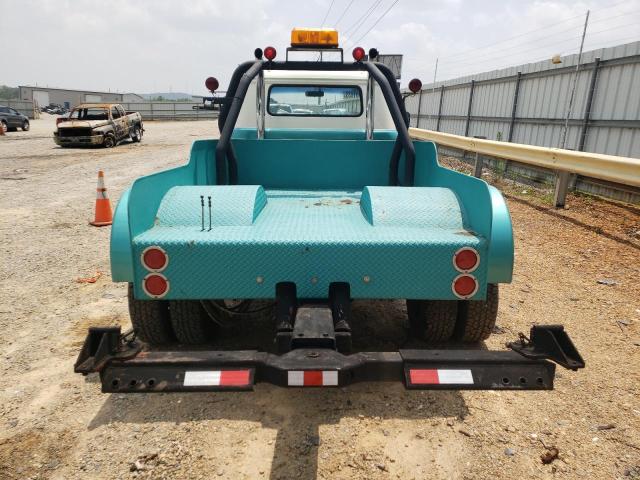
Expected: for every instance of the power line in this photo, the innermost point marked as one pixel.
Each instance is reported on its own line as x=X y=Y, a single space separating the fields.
x=376 y=22
x=362 y=18
x=489 y=56
x=592 y=46
x=344 y=12
x=511 y=38
x=327 y=14
x=555 y=43
x=464 y=52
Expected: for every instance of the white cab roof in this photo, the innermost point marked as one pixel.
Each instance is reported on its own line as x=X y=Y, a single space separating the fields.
x=330 y=75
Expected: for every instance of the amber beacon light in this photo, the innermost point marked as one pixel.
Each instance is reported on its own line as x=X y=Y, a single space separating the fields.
x=314 y=37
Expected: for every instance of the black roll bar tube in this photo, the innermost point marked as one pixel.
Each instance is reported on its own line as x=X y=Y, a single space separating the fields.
x=224 y=110
x=231 y=91
x=390 y=92
x=397 y=146
x=229 y=123
x=386 y=71
x=399 y=121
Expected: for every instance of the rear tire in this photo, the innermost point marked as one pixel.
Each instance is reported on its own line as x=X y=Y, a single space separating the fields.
x=4 y=126
x=433 y=320
x=150 y=320
x=190 y=322
x=477 y=318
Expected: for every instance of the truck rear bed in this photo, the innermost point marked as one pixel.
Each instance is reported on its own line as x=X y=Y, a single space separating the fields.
x=387 y=242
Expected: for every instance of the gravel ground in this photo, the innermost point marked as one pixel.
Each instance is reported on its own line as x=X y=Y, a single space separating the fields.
x=55 y=424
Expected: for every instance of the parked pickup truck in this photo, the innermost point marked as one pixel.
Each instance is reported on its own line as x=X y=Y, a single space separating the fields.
x=103 y=124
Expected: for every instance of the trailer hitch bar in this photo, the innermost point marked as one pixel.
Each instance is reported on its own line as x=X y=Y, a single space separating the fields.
x=124 y=368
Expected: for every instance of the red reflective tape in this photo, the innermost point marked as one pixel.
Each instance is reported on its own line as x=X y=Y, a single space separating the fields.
x=313 y=378
x=230 y=378
x=423 y=377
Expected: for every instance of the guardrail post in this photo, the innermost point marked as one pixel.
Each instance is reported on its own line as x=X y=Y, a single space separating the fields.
x=466 y=128
x=440 y=108
x=151 y=105
x=419 y=106
x=562 y=187
x=587 y=109
x=477 y=171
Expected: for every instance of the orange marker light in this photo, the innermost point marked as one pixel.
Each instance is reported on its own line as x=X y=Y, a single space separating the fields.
x=314 y=37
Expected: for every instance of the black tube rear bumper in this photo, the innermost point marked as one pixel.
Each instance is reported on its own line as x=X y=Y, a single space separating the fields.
x=125 y=368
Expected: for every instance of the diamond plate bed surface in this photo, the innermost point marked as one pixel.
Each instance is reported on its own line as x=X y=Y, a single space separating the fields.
x=398 y=244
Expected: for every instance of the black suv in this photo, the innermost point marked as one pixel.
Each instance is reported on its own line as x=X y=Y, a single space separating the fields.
x=10 y=119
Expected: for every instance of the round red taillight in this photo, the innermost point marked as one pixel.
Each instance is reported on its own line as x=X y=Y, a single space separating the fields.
x=465 y=286
x=358 y=53
x=154 y=258
x=155 y=285
x=466 y=259
x=270 y=53
x=415 y=85
x=212 y=84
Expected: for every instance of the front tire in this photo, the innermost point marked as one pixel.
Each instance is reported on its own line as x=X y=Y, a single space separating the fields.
x=4 y=127
x=136 y=136
x=25 y=126
x=433 y=320
x=150 y=319
x=476 y=319
x=109 y=141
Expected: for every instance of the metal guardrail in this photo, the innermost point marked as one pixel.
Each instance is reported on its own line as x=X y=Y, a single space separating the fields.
x=622 y=170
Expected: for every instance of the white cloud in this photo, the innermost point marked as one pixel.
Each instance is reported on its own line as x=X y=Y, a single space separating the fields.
x=157 y=45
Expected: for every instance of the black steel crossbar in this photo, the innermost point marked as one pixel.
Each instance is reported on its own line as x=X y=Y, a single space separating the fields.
x=166 y=371
x=125 y=368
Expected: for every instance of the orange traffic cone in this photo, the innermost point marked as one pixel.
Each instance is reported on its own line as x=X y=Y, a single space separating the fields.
x=103 y=216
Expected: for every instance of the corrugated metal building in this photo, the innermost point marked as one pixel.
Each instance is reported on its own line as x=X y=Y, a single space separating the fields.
x=42 y=96
x=528 y=103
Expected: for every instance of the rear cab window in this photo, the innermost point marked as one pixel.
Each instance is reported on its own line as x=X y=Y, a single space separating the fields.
x=89 y=114
x=315 y=100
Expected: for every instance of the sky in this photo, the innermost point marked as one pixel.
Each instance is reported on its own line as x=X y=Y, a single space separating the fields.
x=147 y=46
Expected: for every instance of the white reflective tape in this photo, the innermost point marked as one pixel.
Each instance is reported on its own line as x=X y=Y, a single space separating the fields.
x=295 y=378
x=459 y=377
x=330 y=378
x=202 y=379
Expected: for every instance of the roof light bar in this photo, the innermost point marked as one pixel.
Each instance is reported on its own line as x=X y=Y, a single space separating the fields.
x=314 y=37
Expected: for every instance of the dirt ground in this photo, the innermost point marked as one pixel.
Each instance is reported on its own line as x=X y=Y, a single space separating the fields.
x=56 y=424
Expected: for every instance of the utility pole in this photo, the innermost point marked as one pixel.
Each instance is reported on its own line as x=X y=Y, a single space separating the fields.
x=562 y=181
x=563 y=142
x=433 y=90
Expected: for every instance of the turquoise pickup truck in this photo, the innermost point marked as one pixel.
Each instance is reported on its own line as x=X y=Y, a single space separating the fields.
x=314 y=195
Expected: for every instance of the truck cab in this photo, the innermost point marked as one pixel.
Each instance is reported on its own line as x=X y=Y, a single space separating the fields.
x=323 y=104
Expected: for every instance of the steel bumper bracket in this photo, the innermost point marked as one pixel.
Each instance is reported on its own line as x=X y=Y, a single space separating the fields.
x=549 y=342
